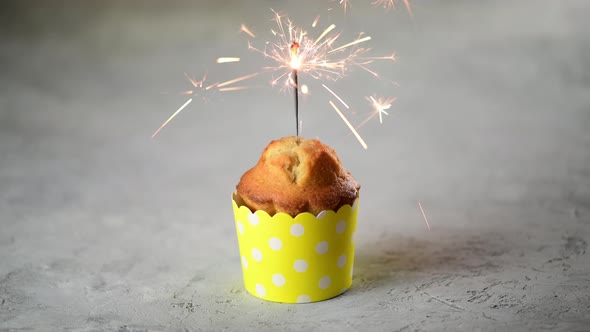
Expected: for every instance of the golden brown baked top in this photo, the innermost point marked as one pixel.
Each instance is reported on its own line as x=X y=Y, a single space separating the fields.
x=297 y=175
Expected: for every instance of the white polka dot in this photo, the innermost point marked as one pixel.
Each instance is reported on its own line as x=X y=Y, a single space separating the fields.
x=260 y=291
x=322 y=247
x=253 y=219
x=275 y=243
x=257 y=255
x=300 y=265
x=353 y=237
x=354 y=205
x=244 y=262
x=340 y=227
x=303 y=299
x=278 y=279
x=240 y=227
x=342 y=261
x=297 y=229
x=325 y=282
x=321 y=214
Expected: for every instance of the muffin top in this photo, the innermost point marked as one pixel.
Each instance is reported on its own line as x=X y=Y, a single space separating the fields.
x=296 y=175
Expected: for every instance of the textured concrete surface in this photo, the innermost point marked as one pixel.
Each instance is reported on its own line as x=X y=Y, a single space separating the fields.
x=102 y=228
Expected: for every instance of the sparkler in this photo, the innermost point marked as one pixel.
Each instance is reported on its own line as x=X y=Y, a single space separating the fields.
x=295 y=52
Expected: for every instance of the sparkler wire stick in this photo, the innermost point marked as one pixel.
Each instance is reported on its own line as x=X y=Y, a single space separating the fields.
x=295 y=65
x=296 y=87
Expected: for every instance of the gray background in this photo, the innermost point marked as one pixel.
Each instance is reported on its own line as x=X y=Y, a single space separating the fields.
x=102 y=228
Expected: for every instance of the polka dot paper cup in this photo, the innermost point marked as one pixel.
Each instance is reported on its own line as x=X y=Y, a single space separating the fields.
x=296 y=260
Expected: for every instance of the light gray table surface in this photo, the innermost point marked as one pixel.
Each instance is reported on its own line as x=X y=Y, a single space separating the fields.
x=103 y=228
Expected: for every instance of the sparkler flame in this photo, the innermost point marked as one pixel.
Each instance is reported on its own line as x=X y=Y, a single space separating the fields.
x=295 y=63
x=317 y=58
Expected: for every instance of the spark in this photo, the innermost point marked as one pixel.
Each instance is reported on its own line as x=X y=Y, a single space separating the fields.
x=389 y=4
x=172 y=117
x=345 y=4
x=247 y=31
x=385 y=4
x=358 y=137
x=424 y=215
x=379 y=106
x=194 y=83
x=199 y=87
x=315 y=22
x=304 y=89
x=295 y=55
x=232 y=81
x=351 y=44
x=227 y=59
x=295 y=64
x=328 y=29
x=337 y=96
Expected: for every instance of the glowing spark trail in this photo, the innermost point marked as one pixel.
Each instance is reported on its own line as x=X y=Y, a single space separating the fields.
x=358 y=137
x=247 y=31
x=172 y=116
x=385 y=4
x=388 y=4
x=201 y=88
x=328 y=29
x=351 y=44
x=335 y=95
x=227 y=59
x=424 y=215
x=345 y=4
x=235 y=80
x=315 y=22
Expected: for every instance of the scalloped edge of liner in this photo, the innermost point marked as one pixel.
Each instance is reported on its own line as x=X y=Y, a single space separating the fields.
x=282 y=215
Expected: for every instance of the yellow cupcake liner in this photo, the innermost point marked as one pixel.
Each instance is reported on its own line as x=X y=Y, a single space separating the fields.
x=296 y=260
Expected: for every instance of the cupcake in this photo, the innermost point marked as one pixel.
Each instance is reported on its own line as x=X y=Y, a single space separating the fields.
x=295 y=215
